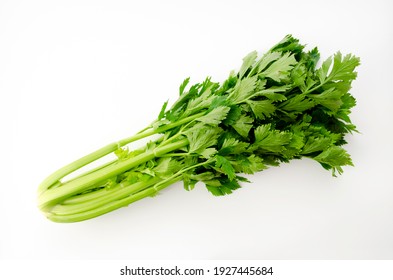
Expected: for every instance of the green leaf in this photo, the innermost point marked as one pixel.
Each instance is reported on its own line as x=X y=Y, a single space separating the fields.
x=233 y=115
x=322 y=72
x=348 y=102
x=205 y=176
x=297 y=140
x=149 y=172
x=136 y=176
x=250 y=164
x=228 y=186
x=262 y=109
x=111 y=183
x=266 y=60
x=221 y=187
x=343 y=68
x=311 y=59
x=228 y=84
x=243 y=125
x=166 y=167
x=215 y=116
x=232 y=146
x=225 y=166
x=214 y=186
x=310 y=82
x=183 y=100
x=334 y=158
x=289 y=43
x=270 y=139
x=208 y=153
x=273 y=94
x=272 y=90
x=150 y=146
x=279 y=70
x=162 y=112
x=330 y=99
x=298 y=103
x=243 y=90
x=122 y=153
x=187 y=183
x=315 y=144
x=299 y=75
x=201 y=137
x=248 y=61
x=219 y=101
x=216 y=191
x=133 y=177
x=200 y=102
x=183 y=85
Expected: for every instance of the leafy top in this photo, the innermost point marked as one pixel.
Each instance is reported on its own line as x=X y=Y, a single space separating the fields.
x=277 y=107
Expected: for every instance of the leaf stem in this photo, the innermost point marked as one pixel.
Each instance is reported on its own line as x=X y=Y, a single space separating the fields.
x=107 y=207
x=51 y=197
x=55 y=177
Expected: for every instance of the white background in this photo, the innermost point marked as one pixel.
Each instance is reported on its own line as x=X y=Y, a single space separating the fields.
x=76 y=75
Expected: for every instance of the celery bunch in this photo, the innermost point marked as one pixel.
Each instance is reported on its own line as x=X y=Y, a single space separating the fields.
x=279 y=106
